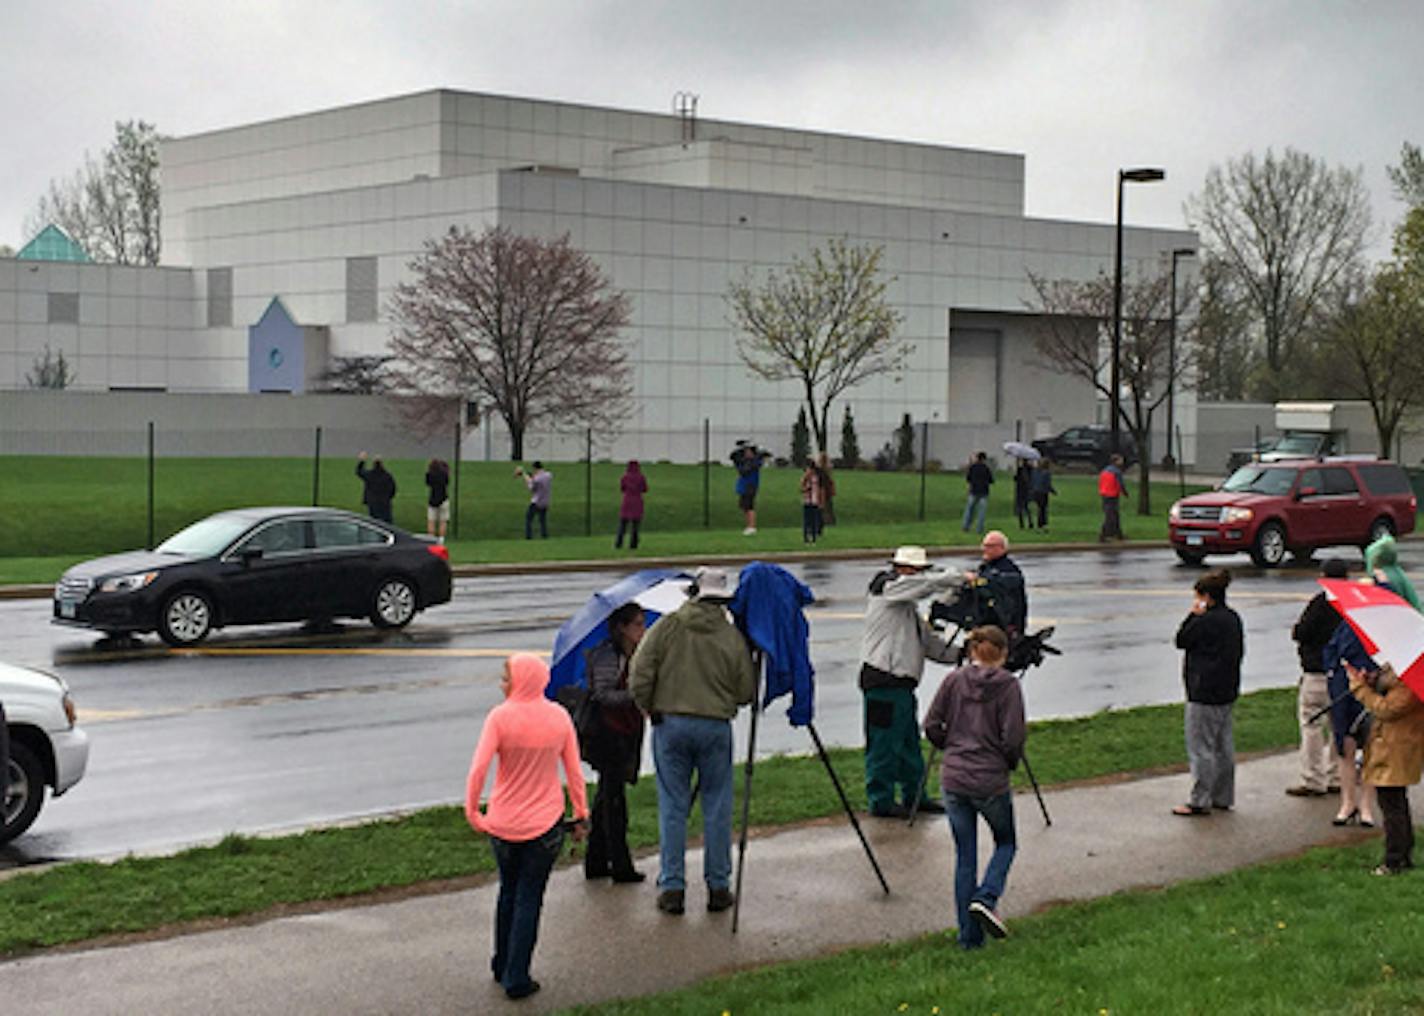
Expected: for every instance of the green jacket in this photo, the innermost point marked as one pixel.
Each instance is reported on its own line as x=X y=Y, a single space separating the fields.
x=693 y=662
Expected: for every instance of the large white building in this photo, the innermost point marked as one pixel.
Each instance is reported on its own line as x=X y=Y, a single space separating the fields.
x=322 y=213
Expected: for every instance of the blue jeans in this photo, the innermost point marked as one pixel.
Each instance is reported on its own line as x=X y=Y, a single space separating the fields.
x=523 y=873
x=975 y=509
x=962 y=811
x=680 y=745
x=530 y=514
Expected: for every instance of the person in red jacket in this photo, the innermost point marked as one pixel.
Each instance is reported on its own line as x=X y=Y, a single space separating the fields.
x=530 y=736
x=1111 y=488
x=634 y=485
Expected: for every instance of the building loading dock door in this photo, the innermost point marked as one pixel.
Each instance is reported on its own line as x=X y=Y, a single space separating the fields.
x=974 y=375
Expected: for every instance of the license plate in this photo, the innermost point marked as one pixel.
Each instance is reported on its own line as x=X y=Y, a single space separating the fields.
x=66 y=608
x=1194 y=540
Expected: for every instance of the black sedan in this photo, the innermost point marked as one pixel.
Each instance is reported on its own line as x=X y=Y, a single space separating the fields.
x=258 y=565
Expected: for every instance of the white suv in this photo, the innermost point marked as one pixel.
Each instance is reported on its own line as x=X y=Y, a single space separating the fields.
x=46 y=747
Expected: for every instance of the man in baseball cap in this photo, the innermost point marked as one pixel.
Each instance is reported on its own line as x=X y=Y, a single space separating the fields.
x=892 y=654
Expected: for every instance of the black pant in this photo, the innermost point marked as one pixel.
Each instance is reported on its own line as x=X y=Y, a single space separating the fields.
x=1112 y=521
x=810 y=522
x=1042 y=501
x=1398 y=826
x=608 y=837
x=380 y=510
x=543 y=514
x=623 y=524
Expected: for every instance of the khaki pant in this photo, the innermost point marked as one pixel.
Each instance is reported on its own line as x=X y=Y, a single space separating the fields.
x=1317 y=753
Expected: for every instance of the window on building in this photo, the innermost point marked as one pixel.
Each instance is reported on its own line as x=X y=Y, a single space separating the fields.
x=361 y=289
x=64 y=308
x=219 y=297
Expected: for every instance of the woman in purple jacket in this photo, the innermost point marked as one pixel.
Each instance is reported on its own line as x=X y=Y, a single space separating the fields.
x=977 y=720
x=633 y=485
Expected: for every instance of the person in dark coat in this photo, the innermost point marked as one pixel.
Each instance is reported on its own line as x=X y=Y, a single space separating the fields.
x=633 y=485
x=977 y=720
x=379 y=487
x=999 y=582
x=1023 y=493
x=979 y=478
x=1040 y=486
x=437 y=509
x=1311 y=632
x=616 y=747
x=1214 y=642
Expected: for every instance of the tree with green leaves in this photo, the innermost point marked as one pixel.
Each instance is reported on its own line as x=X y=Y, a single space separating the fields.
x=823 y=321
x=1408 y=176
x=800 y=440
x=850 y=443
x=1290 y=234
x=110 y=206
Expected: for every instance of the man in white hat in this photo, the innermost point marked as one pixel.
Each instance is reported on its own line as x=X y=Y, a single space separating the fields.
x=690 y=674
x=892 y=660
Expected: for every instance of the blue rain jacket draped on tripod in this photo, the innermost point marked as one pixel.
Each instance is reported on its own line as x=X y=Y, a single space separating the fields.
x=768 y=610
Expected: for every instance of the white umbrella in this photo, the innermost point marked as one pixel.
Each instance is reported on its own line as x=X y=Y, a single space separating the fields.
x=1019 y=450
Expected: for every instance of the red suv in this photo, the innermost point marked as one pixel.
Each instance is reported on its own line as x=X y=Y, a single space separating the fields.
x=1271 y=509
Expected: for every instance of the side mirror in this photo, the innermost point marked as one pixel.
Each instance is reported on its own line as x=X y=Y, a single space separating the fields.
x=250 y=554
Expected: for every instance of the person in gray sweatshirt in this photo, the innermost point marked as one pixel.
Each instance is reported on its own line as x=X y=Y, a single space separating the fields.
x=892 y=660
x=977 y=720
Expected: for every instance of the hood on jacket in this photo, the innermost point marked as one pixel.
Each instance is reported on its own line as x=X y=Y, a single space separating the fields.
x=984 y=684
x=633 y=466
x=528 y=677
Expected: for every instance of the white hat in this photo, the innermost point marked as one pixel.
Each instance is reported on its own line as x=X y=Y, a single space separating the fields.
x=713 y=584
x=911 y=556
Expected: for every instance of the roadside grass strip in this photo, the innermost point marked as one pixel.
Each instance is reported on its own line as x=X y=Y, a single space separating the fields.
x=64 y=510
x=1312 y=934
x=244 y=875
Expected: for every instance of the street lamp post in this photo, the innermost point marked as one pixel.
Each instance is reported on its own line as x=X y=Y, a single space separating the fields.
x=1169 y=460
x=1144 y=174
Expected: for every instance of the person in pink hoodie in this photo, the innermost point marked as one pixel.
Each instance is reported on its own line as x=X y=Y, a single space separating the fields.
x=634 y=485
x=530 y=736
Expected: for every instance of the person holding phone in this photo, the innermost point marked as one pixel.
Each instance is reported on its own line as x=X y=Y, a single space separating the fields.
x=1212 y=636
x=527 y=736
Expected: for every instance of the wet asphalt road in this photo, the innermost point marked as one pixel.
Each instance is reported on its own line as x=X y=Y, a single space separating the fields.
x=271 y=729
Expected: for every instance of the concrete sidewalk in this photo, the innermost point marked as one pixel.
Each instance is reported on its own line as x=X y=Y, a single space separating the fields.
x=806 y=891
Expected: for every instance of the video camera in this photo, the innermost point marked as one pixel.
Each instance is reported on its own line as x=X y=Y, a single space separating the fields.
x=967 y=605
x=747 y=450
x=1029 y=650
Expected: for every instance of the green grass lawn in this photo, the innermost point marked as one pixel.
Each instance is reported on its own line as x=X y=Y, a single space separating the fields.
x=243 y=875
x=61 y=510
x=1313 y=934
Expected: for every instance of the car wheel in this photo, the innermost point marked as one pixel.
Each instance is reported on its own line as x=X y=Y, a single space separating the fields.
x=1269 y=549
x=23 y=791
x=186 y=618
x=1380 y=527
x=393 y=604
x=1190 y=557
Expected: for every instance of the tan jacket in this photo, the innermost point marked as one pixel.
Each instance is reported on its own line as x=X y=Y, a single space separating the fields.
x=1394 y=756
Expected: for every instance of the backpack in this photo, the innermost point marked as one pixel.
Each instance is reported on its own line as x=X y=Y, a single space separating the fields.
x=584 y=712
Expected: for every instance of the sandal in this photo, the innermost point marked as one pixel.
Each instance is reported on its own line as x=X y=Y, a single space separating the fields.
x=1187 y=810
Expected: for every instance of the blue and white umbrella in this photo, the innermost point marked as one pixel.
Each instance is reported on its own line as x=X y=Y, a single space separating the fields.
x=657 y=590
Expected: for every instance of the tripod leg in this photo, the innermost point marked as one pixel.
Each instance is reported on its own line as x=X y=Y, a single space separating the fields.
x=920 y=790
x=746 y=799
x=1028 y=770
x=845 y=803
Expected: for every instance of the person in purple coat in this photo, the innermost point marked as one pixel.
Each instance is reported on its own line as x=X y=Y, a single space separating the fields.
x=634 y=485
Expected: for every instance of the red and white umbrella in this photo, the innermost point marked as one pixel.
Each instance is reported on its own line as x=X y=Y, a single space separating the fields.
x=1391 y=630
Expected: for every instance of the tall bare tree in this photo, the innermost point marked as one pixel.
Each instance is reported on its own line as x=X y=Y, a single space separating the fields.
x=1224 y=356
x=110 y=205
x=528 y=325
x=1289 y=230
x=1073 y=336
x=1376 y=343
x=823 y=321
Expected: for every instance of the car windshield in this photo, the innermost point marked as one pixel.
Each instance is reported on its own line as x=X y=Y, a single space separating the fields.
x=1297 y=444
x=1258 y=480
x=205 y=538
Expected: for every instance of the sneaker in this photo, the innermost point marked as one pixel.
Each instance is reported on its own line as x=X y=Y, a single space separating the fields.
x=1303 y=791
x=749 y=531
x=523 y=991
x=719 y=900
x=670 y=901
x=1385 y=869
x=629 y=877
x=988 y=920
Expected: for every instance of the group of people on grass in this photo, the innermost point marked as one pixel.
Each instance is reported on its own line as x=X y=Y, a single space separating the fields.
x=1033 y=485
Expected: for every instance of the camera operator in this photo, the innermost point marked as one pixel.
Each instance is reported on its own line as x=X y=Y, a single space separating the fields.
x=892 y=653
x=748 y=459
x=999 y=581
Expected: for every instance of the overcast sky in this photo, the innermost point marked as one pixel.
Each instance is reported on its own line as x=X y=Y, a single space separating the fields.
x=1080 y=87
